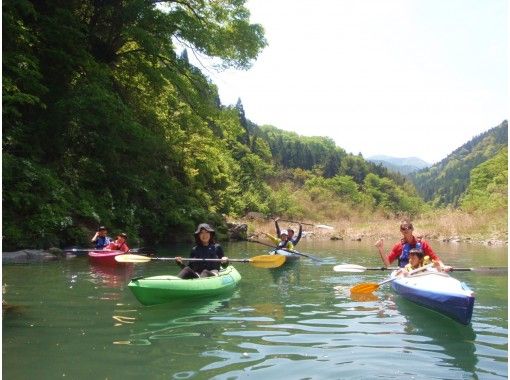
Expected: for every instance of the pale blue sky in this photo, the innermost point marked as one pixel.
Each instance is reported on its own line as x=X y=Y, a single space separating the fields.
x=395 y=77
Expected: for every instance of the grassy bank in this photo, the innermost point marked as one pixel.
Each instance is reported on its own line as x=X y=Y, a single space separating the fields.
x=444 y=225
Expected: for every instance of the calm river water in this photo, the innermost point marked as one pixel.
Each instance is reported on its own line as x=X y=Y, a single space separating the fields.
x=73 y=320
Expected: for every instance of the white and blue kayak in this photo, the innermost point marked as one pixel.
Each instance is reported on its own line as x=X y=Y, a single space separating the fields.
x=289 y=255
x=437 y=291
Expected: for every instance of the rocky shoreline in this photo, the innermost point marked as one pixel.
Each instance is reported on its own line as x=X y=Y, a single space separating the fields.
x=312 y=235
x=240 y=232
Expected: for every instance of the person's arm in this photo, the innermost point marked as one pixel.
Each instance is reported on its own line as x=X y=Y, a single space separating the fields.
x=125 y=248
x=298 y=237
x=274 y=239
x=380 y=247
x=94 y=238
x=277 y=226
x=439 y=265
x=219 y=252
x=180 y=261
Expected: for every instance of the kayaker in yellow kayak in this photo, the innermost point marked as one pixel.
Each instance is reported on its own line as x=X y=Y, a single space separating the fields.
x=205 y=248
x=290 y=231
x=283 y=242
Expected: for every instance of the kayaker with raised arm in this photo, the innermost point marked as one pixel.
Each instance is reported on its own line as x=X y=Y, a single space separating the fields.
x=283 y=242
x=401 y=249
x=290 y=231
x=100 y=238
x=205 y=248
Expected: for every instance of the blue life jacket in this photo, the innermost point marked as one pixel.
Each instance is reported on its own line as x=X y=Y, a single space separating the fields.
x=102 y=241
x=403 y=259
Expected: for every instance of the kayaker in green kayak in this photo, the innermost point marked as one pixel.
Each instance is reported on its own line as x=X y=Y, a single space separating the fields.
x=205 y=248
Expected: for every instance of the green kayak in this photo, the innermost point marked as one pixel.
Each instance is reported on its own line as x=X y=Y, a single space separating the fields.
x=161 y=289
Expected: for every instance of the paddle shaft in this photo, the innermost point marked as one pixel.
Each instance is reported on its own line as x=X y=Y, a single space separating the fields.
x=369 y=287
x=287 y=250
x=132 y=250
x=199 y=259
x=265 y=261
x=409 y=273
x=359 y=268
x=293 y=221
x=309 y=224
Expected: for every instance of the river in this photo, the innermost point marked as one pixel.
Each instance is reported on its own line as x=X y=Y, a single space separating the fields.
x=74 y=320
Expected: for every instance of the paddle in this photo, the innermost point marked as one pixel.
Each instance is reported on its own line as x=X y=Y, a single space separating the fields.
x=74 y=250
x=287 y=250
x=353 y=268
x=309 y=224
x=369 y=287
x=263 y=261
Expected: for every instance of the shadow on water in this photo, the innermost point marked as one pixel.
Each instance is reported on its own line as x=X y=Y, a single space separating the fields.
x=456 y=340
x=174 y=320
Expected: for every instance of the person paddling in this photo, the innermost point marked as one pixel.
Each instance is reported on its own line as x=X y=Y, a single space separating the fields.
x=205 y=248
x=402 y=248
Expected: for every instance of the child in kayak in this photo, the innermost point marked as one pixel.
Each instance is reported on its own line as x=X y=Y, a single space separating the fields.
x=205 y=248
x=119 y=244
x=417 y=259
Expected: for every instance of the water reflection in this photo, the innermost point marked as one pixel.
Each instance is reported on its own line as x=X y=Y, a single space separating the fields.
x=111 y=276
x=182 y=318
x=286 y=277
x=454 y=340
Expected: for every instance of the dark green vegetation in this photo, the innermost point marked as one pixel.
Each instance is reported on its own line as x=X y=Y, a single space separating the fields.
x=446 y=182
x=105 y=123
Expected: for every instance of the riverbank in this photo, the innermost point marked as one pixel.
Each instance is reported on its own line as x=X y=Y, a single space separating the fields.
x=447 y=226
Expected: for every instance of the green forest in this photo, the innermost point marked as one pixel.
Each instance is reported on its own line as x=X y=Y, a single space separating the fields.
x=106 y=122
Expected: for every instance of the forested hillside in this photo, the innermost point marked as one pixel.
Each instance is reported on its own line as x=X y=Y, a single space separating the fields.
x=488 y=186
x=445 y=182
x=400 y=165
x=105 y=121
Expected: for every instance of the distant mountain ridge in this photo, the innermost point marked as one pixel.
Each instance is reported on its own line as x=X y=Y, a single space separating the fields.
x=444 y=183
x=403 y=165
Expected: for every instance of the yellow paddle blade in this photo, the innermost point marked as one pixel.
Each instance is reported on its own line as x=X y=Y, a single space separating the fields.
x=128 y=258
x=366 y=287
x=268 y=261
